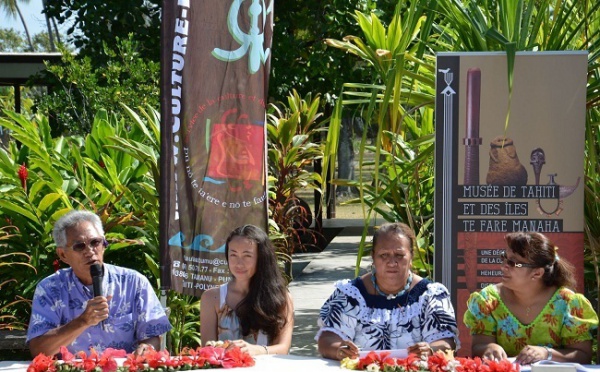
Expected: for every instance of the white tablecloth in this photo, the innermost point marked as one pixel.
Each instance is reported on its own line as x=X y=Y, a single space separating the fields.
x=264 y=363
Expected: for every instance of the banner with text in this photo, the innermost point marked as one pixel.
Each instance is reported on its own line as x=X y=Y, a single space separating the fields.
x=493 y=179
x=215 y=65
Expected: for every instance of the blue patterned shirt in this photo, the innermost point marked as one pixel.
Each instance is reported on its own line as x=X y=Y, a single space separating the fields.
x=373 y=322
x=135 y=313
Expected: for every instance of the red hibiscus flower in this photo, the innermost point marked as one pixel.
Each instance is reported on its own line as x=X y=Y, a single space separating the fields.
x=65 y=354
x=372 y=358
x=471 y=365
x=437 y=362
x=411 y=363
x=134 y=363
x=503 y=365
x=42 y=363
x=114 y=353
x=234 y=357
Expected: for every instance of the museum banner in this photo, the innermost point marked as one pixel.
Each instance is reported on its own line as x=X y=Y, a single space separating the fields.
x=496 y=175
x=215 y=61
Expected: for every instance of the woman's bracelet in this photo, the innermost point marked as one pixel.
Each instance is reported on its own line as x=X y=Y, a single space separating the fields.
x=549 y=350
x=266 y=349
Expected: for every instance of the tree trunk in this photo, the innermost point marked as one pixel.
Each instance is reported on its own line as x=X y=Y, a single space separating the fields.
x=25 y=27
x=49 y=27
x=346 y=154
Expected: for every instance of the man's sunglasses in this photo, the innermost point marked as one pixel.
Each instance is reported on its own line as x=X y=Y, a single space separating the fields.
x=512 y=263
x=94 y=243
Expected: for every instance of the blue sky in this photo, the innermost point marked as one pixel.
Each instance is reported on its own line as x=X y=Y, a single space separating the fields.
x=33 y=17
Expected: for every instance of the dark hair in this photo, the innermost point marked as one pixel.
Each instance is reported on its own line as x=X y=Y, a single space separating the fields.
x=542 y=252
x=265 y=306
x=399 y=228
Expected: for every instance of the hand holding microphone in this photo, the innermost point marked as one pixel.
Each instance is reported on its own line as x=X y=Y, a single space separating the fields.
x=98 y=306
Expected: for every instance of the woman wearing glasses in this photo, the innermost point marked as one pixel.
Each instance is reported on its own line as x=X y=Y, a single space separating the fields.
x=389 y=307
x=533 y=314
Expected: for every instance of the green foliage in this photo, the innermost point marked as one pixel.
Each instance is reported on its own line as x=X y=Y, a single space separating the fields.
x=12 y=41
x=400 y=104
x=10 y=262
x=96 y=26
x=82 y=89
x=185 y=319
x=112 y=171
x=293 y=133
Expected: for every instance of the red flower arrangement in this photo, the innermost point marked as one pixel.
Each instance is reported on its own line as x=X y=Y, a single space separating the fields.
x=438 y=362
x=152 y=360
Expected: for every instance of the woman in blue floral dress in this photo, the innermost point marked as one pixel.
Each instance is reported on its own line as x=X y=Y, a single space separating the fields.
x=389 y=307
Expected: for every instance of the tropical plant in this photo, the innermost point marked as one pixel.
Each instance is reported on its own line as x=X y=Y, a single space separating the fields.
x=81 y=89
x=112 y=171
x=293 y=144
x=10 y=263
x=184 y=317
x=399 y=102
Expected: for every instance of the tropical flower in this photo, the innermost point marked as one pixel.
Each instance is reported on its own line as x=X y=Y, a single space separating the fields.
x=152 y=360
x=23 y=174
x=438 y=362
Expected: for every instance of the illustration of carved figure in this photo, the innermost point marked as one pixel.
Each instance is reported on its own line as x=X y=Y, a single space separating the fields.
x=505 y=167
x=537 y=161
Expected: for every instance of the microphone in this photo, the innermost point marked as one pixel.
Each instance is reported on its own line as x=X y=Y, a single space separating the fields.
x=97 y=276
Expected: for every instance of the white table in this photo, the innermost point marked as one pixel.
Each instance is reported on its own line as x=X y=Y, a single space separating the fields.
x=264 y=363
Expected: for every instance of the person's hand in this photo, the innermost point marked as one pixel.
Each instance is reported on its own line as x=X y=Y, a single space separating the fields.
x=247 y=348
x=347 y=349
x=95 y=311
x=142 y=349
x=531 y=354
x=421 y=349
x=494 y=352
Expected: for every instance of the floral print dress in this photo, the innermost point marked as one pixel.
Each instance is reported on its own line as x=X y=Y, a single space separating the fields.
x=567 y=318
x=373 y=322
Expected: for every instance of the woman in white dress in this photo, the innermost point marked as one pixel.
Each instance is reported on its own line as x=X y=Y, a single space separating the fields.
x=254 y=311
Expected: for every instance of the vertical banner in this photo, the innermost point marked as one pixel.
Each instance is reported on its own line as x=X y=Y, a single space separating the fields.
x=492 y=179
x=215 y=66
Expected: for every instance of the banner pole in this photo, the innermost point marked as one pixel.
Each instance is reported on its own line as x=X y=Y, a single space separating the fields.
x=163 y=302
x=165 y=159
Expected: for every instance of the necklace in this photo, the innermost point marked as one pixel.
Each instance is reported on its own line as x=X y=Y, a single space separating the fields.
x=391 y=296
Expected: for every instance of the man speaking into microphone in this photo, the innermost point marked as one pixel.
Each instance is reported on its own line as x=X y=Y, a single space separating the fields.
x=91 y=303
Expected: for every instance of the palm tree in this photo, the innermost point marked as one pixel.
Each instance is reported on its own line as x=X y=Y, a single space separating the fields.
x=12 y=10
x=49 y=22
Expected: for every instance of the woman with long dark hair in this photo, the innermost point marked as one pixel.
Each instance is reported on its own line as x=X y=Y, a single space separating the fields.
x=254 y=311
